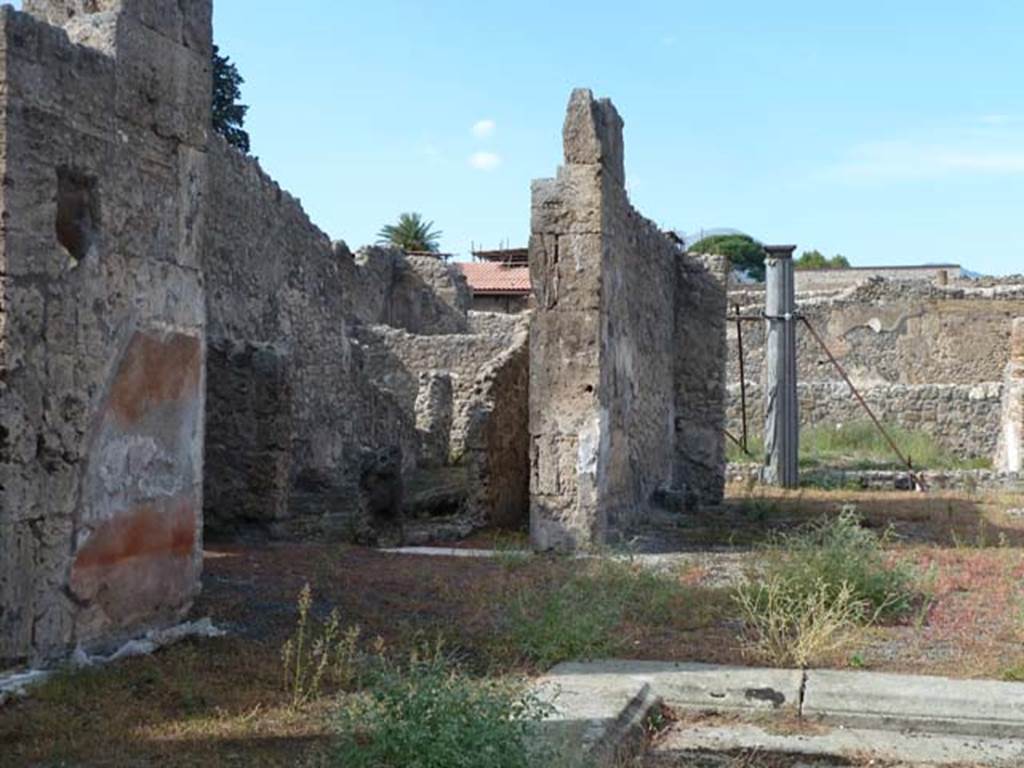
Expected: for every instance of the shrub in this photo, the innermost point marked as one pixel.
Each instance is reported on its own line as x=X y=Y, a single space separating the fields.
x=788 y=626
x=426 y=713
x=817 y=585
x=839 y=550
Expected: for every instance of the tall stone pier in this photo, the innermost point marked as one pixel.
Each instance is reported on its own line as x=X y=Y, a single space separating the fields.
x=781 y=406
x=1011 y=440
x=626 y=334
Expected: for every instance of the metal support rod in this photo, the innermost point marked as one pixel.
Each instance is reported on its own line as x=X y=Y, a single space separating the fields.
x=738 y=443
x=863 y=403
x=743 y=380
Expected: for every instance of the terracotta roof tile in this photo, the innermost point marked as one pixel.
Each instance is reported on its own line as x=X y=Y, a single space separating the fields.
x=488 y=277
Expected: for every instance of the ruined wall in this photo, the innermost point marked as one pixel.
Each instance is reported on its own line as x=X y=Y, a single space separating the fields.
x=898 y=333
x=899 y=341
x=101 y=352
x=607 y=371
x=419 y=294
x=395 y=360
x=832 y=279
x=497 y=443
x=701 y=394
x=275 y=280
x=964 y=419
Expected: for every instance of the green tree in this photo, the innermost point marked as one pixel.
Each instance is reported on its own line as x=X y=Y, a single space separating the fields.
x=411 y=233
x=815 y=259
x=743 y=251
x=228 y=114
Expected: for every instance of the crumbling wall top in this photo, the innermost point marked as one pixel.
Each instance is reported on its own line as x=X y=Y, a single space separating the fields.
x=592 y=134
x=186 y=22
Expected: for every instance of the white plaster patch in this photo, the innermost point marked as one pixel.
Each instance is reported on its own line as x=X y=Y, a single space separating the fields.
x=137 y=462
x=589 y=442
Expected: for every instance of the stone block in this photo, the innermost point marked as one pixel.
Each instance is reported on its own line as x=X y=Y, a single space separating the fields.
x=592 y=134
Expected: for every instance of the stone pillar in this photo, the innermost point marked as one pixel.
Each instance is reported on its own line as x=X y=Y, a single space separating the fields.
x=1011 y=440
x=781 y=407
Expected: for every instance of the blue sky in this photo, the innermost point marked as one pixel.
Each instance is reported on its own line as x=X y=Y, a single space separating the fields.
x=891 y=132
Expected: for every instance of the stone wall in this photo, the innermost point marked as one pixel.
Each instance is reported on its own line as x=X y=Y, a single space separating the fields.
x=419 y=294
x=964 y=419
x=275 y=281
x=497 y=443
x=608 y=375
x=899 y=341
x=104 y=131
x=832 y=279
x=701 y=394
x=395 y=360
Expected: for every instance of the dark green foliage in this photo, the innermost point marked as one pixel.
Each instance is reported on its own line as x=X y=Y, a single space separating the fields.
x=228 y=114
x=817 y=260
x=837 y=551
x=427 y=714
x=745 y=253
x=411 y=233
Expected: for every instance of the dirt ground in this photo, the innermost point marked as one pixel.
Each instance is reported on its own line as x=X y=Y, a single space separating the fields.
x=222 y=702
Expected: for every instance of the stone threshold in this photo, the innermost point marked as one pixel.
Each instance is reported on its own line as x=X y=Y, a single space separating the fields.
x=599 y=708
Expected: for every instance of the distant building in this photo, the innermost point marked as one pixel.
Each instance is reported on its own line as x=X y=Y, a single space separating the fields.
x=500 y=280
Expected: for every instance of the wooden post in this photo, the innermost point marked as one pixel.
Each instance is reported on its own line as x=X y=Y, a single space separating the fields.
x=781 y=407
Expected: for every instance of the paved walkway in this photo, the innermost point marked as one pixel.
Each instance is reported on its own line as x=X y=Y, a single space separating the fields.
x=600 y=707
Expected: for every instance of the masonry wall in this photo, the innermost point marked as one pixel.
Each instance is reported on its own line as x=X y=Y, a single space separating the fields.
x=395 y=359
x=275 y=281
x=101 y=355
x=963 y=418
x=497 y=438
x=930 y=356
x=616 y=412
x=700 y=377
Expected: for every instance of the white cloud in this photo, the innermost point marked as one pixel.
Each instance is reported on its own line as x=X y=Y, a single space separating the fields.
x=998 y=119
x=898 y=160
x=485 y=161
x=482 y=129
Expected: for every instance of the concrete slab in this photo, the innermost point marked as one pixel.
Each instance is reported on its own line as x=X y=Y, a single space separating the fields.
x=598 y=717
x=868 y=745
x=700 y=686
x=902 y=702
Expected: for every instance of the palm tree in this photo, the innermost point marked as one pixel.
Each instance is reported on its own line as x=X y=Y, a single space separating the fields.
x=411 y=233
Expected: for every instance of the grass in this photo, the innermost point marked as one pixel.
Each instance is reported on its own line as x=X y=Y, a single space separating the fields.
x=582 y=617
x=817 y=586
x=223 y=701
x=859 y=445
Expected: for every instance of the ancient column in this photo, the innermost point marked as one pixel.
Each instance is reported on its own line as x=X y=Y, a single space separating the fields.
x=1011 y=439
x=781 y=408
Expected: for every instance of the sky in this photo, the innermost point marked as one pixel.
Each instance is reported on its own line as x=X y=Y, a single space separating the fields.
x=891 y=132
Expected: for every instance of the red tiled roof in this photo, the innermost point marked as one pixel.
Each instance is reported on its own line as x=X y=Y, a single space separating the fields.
x=489 y=277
